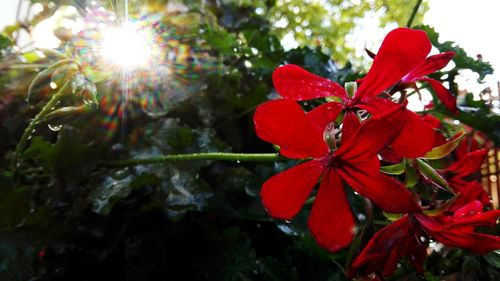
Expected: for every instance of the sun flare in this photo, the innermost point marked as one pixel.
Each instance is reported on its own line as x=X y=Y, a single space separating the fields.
x=127 y=47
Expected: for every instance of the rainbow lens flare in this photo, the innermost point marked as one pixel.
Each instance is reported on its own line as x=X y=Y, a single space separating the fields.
x=152 y=63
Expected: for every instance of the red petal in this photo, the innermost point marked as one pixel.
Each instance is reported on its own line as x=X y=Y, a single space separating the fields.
x=468 y=192
x=443 y=94
x=373 y=135
x=324 y=114
x=295 y=83
x=471 y=215
x=402 y=50
x=283 y=122
x=472 y=241
x=432 y=121
x=284 y=194
x=430 y=65
x=473 y=208
x=468 y=164
x=350 y=125
x=416 y=138
x=388 y=155
x=438 y=139
x=387 y=193
x=331 y=221
x=463 y=236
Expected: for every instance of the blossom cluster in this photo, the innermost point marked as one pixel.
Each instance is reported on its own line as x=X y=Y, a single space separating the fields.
x=342 y=142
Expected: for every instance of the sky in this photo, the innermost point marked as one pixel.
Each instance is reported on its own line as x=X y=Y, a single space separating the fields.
x=7 y=12
x=472 y=24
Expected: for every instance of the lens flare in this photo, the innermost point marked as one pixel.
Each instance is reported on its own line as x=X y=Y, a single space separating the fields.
x=127 y=46
x=153 y=62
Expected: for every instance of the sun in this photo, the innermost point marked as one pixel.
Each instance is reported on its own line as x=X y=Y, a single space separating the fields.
x=127 y=46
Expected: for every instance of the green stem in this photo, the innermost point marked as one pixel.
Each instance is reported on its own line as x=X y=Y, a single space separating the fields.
x=243 y=157
x=39 y=118
x=28 y=66
x=413 y=13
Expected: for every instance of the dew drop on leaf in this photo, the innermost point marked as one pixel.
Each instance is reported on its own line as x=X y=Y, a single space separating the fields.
x=55 y=128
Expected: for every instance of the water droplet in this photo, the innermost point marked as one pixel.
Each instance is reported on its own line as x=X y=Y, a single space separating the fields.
x=88 y=94
x=53 y=85
x=77 y=82
x=55 y=128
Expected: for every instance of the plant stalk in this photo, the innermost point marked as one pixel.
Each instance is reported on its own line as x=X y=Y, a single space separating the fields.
x=239 y=157
x=39 y=118
x=413 y=13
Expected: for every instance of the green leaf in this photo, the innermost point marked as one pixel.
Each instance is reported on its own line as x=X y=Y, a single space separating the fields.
x=396 y=169
x=393 y=217
x=433 y=175
x=442 y=208
x=461 y=60
x=445 y=149
x=493 y=258
x=5 y=41
x=411 y=178
x=96 y=75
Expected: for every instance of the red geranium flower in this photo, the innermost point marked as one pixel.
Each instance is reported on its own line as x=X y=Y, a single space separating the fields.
x=283 y=122
x=474 y=140
x=402 y=51
x=458 y=176
x=401 y=239
x=408 y=238
x=431 y=65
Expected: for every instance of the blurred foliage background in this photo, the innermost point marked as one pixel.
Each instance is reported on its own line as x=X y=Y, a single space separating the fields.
x=66 y=216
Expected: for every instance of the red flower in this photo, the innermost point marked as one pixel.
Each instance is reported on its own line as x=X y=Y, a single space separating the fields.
x=431 y=65
x=467 y=165
x=474 y=140
x=401 y=239
x=407 y=238
x=456 y=229
x=458 y=176
x=283 y=122
x=401 y=52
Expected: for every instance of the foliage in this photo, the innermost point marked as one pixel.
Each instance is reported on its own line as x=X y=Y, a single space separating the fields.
x=327 y=23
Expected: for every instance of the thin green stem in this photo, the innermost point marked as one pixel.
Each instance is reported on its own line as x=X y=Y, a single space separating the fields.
x=27 y=66
x=240 y=157
x=39 y=118
x=413 y=13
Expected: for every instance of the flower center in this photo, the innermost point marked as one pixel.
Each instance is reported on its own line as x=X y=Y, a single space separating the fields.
x=332 y=162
